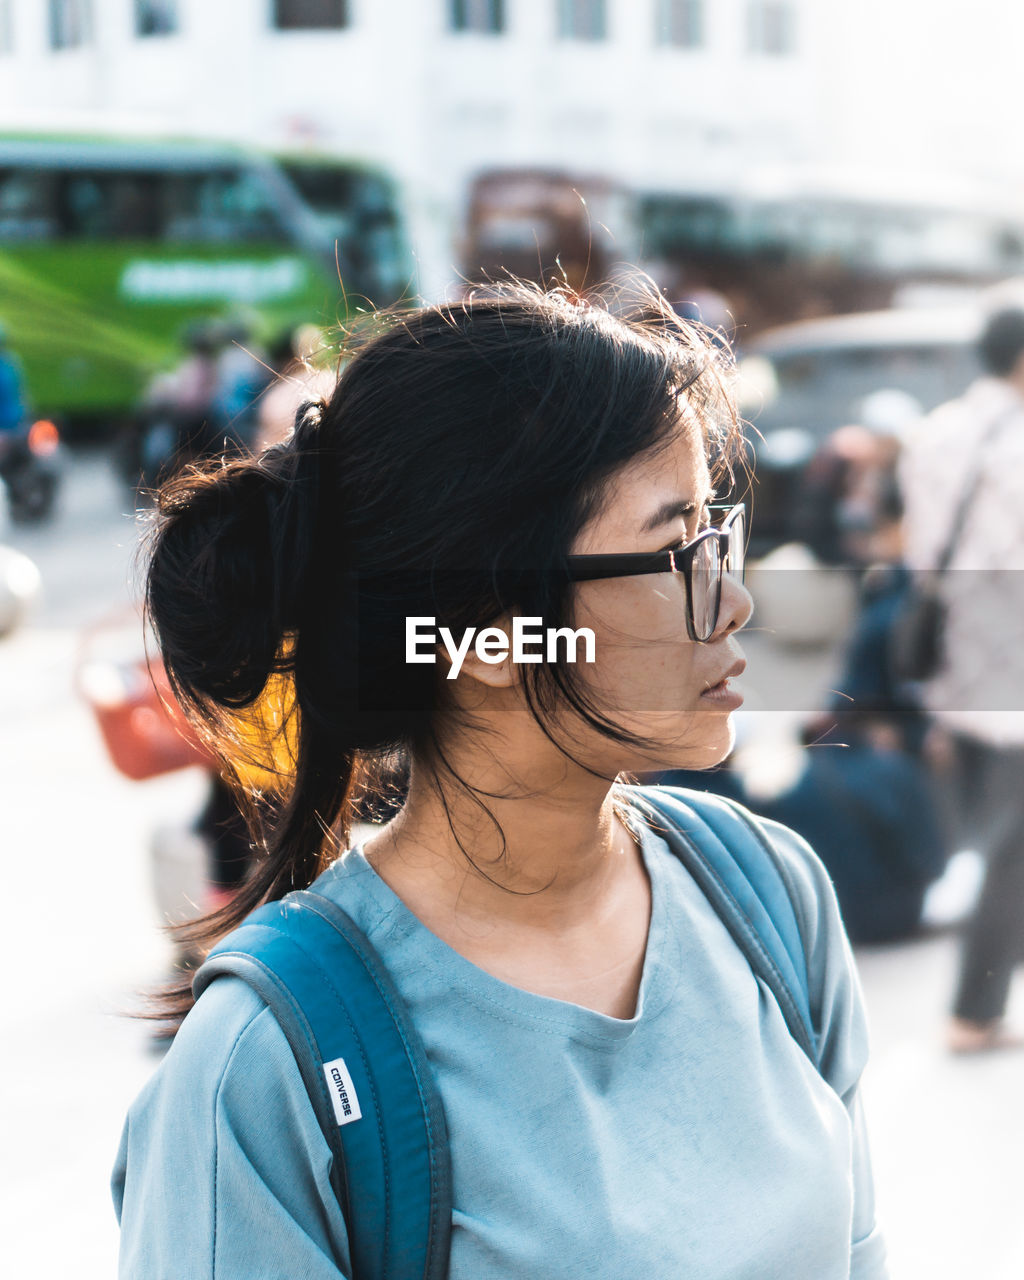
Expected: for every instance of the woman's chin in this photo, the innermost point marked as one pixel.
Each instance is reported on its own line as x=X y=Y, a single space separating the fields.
x=716 y=747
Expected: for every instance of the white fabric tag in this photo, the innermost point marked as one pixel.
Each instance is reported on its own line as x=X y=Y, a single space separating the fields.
x=343 y=1094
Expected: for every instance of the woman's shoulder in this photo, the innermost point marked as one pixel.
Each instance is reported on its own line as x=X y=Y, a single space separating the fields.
x=833 y=987
x=226 y=1121
x=802 y=871
x=806 y=880
x=229 y=1036
x=225 y=1015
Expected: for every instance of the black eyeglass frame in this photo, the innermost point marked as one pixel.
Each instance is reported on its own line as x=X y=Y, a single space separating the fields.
x=629 y=564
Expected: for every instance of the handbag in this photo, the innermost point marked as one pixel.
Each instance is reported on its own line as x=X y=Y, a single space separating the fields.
x=917 y=642
x=916 y=645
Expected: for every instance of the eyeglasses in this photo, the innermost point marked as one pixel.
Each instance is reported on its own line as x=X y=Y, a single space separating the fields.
x=702 y=563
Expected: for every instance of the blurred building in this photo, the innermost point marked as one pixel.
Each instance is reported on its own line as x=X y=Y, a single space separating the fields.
x=661 y=94
x=665 y=95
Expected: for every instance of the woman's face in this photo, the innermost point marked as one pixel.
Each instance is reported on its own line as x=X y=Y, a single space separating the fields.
x=648 y=676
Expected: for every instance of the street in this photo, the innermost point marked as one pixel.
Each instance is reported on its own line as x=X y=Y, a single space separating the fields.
x=82 y=938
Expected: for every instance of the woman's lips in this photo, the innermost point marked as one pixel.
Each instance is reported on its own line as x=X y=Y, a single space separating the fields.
x=723 y=694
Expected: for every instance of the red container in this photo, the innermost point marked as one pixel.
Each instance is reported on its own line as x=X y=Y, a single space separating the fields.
x=143 y=728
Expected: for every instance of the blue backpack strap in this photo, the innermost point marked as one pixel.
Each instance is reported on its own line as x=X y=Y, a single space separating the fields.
x=366 y=1073
x=742 y=876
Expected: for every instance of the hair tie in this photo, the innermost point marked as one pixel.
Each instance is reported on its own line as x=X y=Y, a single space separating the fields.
x=305 y=434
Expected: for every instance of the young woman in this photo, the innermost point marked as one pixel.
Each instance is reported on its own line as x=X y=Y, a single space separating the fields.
x=622 y=1096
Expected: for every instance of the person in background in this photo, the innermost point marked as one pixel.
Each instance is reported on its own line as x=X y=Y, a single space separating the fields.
x=864 y=798
x=13 y=405
x=974 y=445
x=297 y=376
x=177 y=421
x=243 y=374
x=18 y=468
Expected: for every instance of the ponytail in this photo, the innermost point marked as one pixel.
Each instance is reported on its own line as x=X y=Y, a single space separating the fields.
x=231 y=557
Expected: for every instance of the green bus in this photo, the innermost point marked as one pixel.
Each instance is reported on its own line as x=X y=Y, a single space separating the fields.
x=110 y=249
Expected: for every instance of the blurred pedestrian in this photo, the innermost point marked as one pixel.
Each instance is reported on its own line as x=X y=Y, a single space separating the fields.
x=864 y=798
x=962 y=475
x=870 y=808
x=623 y=1096
x=13 y=410
x=295 y=361
x=242 y=375
x=190 y=391
x=13 y=405
x=177 y=421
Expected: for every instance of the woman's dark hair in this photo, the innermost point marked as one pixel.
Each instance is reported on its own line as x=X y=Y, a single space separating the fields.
x=458 y=457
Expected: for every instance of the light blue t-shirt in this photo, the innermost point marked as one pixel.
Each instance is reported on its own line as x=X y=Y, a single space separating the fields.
x=692 y=1140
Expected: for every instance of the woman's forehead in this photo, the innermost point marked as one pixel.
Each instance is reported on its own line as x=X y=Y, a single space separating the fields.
x=675 y=473
x=678 y=464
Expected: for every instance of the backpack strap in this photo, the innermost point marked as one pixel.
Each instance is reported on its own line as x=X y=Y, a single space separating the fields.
x=732 y=861
x=366 y=1073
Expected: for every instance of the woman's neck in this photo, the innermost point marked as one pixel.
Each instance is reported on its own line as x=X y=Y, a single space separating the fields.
x=538 y=843
x=523 y=867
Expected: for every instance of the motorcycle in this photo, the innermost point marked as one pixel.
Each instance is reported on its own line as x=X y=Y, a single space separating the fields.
x=30 y=467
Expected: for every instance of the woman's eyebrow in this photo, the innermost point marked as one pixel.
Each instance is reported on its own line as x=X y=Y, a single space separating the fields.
x=669 y=511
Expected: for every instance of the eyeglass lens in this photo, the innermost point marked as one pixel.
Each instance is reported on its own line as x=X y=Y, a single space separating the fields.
x=705 y=588
x=706 y=576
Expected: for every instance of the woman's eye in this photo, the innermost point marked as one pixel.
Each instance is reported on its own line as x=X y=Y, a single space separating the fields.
x=698 y=522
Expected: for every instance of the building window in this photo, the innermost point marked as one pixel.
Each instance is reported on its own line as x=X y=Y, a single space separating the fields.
x=484 y=16
x=771 y=27
x=680 y=23
x=583 y=19
x=69 y=23
x=156 y=17
x=6 y=27
x=310 y=15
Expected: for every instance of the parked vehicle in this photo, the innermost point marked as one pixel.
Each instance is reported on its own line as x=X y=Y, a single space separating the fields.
x=800 y=382
x=774 y=248
x=544 y=224
x=802 y=247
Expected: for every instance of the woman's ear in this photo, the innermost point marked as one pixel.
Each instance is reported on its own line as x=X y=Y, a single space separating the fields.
x=484 y=654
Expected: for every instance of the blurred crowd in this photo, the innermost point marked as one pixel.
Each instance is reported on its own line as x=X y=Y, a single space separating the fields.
x=228 y=394
x=919 y=750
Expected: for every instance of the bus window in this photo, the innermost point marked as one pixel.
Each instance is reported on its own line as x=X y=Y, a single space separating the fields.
x=679 y=225
x=343 y=199
x=222 y=206
x=108 y=206
x=357 y=210
x=26 y=205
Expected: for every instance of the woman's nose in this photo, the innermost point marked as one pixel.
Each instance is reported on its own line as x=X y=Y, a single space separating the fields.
x=736 y=607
